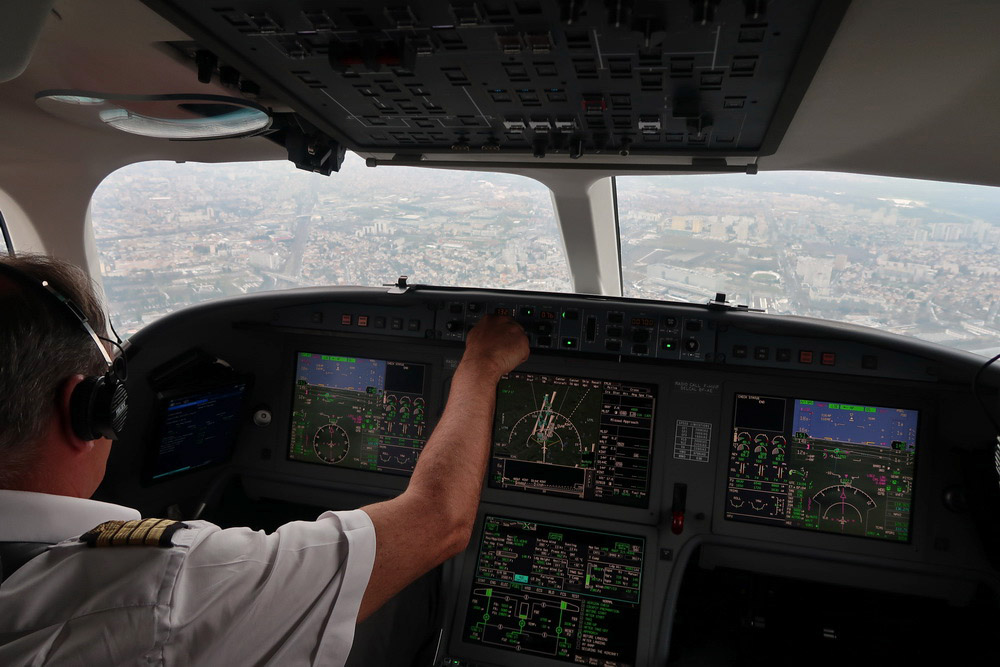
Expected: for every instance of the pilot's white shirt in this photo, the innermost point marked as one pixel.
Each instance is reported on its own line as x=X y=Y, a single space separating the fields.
x=216 y=597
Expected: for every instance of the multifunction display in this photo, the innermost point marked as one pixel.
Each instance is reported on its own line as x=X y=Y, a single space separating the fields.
x=820 y=465
x=197 y=429
x=556 y=592
x=367 y=414
x=573 y=437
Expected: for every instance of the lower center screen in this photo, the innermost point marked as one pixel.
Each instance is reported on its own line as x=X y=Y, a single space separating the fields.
x=573 y=437
x=556 y=592
x=351 y=412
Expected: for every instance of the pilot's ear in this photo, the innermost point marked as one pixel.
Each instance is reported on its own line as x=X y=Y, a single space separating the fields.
x=65 y=415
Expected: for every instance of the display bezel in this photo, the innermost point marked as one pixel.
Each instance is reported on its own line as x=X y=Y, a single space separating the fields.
x=654 y=390
x=901 y=398
x=657 y=377
x=648 y=607
x=426 y=394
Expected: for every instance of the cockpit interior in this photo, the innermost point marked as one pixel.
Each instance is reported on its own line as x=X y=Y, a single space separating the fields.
x=671 y=482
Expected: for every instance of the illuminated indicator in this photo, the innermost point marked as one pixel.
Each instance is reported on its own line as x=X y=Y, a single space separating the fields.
x=362 y=320
x=547 y=315
x=643 y=322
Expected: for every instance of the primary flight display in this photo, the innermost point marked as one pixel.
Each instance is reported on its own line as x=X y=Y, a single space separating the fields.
x=353 y=412
x=573 y=437
x=820 y=465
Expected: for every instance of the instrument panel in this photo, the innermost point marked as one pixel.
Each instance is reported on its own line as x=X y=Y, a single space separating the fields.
x=611 y=469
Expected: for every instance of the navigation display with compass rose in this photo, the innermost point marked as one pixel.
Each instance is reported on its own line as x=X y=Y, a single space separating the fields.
x=573 y=437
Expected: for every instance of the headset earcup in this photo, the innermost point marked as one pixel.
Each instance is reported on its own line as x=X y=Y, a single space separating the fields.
x=98 y=407
x=81 y=407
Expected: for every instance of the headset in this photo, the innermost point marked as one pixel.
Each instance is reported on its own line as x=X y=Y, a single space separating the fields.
x=99 y=404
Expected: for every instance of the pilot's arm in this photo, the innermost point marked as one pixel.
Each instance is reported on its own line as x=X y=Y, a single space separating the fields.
x=432 y=520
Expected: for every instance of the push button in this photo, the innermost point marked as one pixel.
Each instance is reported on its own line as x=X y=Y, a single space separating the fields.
x=640 y=336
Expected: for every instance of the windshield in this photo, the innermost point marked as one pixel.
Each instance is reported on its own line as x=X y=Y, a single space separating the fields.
x=918 y=258
x=171 y=235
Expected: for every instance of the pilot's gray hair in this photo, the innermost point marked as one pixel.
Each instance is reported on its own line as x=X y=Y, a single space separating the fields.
x=40 y=347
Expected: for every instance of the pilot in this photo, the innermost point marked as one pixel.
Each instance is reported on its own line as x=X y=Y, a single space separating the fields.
x=91 y=583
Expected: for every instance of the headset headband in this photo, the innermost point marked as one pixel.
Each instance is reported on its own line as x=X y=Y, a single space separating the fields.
x=66 y=304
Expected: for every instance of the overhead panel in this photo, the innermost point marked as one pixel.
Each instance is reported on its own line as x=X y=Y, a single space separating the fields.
x=532 y=77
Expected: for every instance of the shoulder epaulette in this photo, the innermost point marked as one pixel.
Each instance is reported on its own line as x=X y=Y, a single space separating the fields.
x=137 y=533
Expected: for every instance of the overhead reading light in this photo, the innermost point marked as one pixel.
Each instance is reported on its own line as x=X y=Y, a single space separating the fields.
x=175 y=116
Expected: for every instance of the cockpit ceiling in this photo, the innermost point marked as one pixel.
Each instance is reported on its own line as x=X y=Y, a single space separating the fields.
x=523 y=77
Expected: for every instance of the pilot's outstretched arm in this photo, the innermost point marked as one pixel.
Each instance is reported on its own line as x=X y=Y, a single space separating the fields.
x=432 y=520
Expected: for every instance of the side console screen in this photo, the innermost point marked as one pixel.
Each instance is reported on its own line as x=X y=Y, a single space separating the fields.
x=573 y=437
x=824 y=466
x=556 y=592
x=197 y=429
x=366 y=414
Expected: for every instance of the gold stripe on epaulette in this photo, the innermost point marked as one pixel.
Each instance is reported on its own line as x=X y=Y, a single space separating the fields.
x=145 y=532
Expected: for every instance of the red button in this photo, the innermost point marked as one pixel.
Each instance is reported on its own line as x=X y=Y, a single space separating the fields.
x=805 y=356
x=362 y=320
x=828 y=359
x=346 y=320
x=677 y=523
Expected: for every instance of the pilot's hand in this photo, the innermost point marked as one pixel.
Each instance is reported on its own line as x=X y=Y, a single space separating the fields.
x=499 y=343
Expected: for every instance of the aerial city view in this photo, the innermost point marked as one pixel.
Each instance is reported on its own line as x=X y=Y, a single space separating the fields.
x=911 y=257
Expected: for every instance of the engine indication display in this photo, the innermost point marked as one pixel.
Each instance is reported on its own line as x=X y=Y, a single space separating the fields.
x=573 y=437
x=823 y=466
x=351 y=412
x=556 y=592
